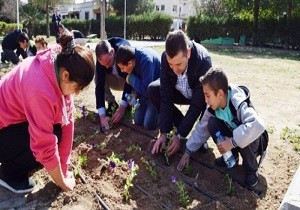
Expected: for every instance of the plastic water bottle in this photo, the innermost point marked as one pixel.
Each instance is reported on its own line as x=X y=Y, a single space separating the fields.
x=135 y=103
x=227 y=156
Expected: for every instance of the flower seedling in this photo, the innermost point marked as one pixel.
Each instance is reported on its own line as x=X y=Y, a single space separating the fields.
x=188 y=169
x=101 y=145
x=150 y=168
x=169 y=143
x=83 y=112
x=133 y=172
x=81 y=162
x=183 y=195
x=230 y=187
x=133 y=148
x=113 y=160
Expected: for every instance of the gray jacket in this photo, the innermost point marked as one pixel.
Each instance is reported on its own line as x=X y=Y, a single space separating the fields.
x=250 y=129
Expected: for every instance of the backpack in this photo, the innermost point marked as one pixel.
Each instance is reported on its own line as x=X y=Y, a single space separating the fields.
x=263 y=138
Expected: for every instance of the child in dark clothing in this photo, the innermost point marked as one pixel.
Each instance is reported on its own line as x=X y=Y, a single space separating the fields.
x=243 y=138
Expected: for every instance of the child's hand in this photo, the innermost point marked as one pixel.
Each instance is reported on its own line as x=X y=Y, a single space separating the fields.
x=185 y=159
x=174 y=147
x=118 y=114
x=225 y=146
x=104 y=122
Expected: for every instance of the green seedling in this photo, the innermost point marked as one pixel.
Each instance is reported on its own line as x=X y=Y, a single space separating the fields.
x=101 y=145
x=129 y=181
x=230 y=188
x=81 y=162
x=285 y=133
x=169 y=142
x=79 y=138
x=183 y=195
x=188 y=169
x=150 y=168
x=115 y=158
x=133 y=148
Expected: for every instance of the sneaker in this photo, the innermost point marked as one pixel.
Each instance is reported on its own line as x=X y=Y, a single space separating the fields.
x=251 y=179
x=25 y=185
x=221 y=163
x=204 y=148
x=112 y=107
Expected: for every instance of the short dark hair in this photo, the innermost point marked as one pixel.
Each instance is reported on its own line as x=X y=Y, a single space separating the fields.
x=77 y=60
x=102 y=48
x=23 y=37
x=125 y=54
x=177 y=41
x=216 y=79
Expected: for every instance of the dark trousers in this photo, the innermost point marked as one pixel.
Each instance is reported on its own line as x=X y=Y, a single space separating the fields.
x=154 y=96
x=248 y=153
x=9 y=55
x=16 y=156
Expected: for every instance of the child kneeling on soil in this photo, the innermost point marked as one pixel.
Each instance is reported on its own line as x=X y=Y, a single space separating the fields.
x=243 y=137
x=36 y=123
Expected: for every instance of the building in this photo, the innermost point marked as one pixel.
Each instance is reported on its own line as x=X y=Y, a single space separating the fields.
x=178 y=9
x=90 y=9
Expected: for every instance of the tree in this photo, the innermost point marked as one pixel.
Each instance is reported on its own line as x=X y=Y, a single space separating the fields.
x=255 y=22
x=30 y=15
x=47 y=6
x=8 y=10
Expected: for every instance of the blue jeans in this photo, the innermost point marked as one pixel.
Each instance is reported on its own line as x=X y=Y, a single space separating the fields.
x=146 y=114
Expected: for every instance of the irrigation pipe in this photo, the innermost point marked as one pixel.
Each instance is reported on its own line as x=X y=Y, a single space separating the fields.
x=103 y=204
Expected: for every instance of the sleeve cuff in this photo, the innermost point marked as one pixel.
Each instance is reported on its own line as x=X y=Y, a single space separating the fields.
x=123 y=103
x=101 y=111
x=188 y=152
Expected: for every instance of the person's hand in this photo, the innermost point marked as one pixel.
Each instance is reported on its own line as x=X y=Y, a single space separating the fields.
x=225 y=145
x=185 y=159
x=118 y=114
x=174 y=147
x=69 y=182
x=159 y=144
x=104 y=122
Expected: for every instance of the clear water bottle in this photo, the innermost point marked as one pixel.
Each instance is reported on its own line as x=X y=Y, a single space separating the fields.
x=227 y=156
x=135 y=103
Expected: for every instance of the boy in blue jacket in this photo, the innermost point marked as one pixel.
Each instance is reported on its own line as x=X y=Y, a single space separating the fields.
x=242 y=135
x=143 y=67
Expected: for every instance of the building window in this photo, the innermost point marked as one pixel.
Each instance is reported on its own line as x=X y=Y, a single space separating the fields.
x=87 y=15
x=162 y=7
x=157 y=7
x=174 y=8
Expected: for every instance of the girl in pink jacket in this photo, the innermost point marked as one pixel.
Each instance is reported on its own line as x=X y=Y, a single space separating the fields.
x=36 y=122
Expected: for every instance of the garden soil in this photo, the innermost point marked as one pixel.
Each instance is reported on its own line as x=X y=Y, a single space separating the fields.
x=103 y=161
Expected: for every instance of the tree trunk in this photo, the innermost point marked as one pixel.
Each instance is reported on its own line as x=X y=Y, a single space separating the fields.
x=47 y=18
x=288 y=25
x=255 y=40
x=102 y=21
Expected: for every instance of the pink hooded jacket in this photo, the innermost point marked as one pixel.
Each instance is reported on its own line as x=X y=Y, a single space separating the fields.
x=30 y=92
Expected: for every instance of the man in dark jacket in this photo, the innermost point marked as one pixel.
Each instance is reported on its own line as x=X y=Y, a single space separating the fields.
x=109 y=76
x=19 y=41
x=182 y=64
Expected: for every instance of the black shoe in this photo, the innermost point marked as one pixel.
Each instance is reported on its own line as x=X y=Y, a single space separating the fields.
x=251 y=179
x=221 y=163
x=112 y=108
x=204 y=148
x=24 y=185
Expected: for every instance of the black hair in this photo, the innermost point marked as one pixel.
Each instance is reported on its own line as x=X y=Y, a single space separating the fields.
x=102 y=48
x=77 y=60
x=23 y=37
x=125 y=54
x=177 y=41
x=216 y=79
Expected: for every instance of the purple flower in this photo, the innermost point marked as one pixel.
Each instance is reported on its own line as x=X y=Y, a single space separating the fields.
x=112 y=164
x=93 y=145
x=83 y=111
x=131 y=164
x=173 y=179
